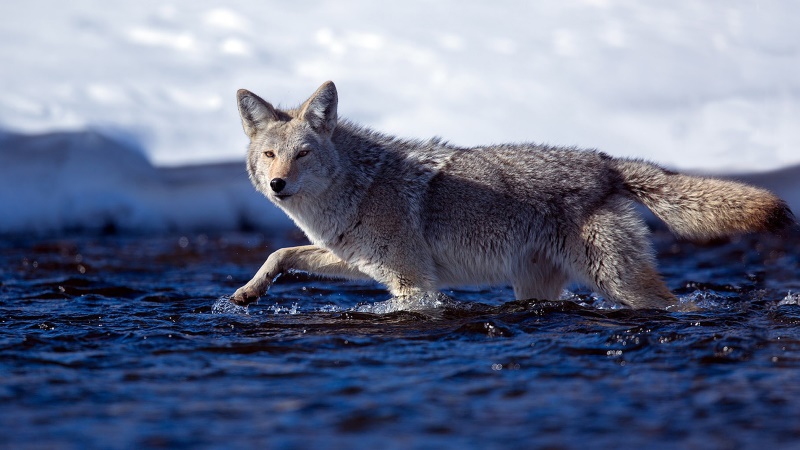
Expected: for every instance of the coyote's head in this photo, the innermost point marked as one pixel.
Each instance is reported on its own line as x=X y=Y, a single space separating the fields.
x=291 y=154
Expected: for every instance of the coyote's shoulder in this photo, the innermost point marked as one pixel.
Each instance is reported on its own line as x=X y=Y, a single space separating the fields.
x=419 y=215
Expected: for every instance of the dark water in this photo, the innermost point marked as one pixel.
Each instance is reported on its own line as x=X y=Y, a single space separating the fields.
x=113 y=342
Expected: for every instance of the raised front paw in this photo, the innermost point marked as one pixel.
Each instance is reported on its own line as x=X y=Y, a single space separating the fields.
x=245 y=295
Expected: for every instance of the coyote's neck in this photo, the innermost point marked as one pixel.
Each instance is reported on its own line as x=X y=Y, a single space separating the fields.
x=324 y=219
x=366 y=157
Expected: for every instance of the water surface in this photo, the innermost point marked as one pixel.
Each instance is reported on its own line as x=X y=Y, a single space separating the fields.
x=124 y=342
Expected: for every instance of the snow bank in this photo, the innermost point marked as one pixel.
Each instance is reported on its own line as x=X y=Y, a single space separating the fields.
x=91 y=182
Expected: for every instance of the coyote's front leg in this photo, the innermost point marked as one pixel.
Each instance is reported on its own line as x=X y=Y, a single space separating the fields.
x=306 y=258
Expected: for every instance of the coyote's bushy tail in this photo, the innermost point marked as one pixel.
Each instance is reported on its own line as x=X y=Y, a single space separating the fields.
x=703 y=208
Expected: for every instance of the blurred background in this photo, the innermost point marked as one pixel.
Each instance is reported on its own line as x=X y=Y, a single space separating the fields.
x=122 y=116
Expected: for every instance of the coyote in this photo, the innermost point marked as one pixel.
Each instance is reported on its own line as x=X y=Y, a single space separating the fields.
x=418 y=215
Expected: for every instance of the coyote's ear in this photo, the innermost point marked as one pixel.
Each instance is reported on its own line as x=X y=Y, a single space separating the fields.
x=256 y=113
x=320 y=110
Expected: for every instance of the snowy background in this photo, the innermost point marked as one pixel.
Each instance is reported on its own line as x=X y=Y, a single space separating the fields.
x=707 y=86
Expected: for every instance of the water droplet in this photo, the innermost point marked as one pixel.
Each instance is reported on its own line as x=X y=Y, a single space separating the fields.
x=223 y=305
x=790 y=299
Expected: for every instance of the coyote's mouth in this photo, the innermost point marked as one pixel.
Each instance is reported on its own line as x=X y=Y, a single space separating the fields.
x=282 y=196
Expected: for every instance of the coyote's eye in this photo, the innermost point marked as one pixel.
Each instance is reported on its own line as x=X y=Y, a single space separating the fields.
x=269 y=154
x=302 y=153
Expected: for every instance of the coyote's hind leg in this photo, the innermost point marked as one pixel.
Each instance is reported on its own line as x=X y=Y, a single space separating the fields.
x=616 y=258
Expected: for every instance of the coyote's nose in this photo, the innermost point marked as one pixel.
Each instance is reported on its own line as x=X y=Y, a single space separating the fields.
x=277 y=184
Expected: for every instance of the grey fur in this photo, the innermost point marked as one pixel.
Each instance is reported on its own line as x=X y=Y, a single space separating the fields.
x=421 y=215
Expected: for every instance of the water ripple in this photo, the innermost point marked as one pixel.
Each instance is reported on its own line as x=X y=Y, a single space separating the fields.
x=144 y=348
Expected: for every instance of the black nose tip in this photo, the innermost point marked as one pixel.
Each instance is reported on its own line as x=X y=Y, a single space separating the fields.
x=277 y=184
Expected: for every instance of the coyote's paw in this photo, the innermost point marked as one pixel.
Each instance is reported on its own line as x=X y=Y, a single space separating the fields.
x=245 y=295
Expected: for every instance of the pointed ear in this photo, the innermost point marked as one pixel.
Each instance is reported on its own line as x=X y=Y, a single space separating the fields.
x=255 y=112
x=320 y=110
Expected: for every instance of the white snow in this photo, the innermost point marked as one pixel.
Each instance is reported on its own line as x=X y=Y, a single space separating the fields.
x=709 y=86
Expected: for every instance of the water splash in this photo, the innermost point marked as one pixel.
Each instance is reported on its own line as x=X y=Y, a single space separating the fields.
x=424 y=302
x=790 y=299
x=592 y=300
x=700 y=300
x=331 y=308
x=223 y=305
x=278 y=309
